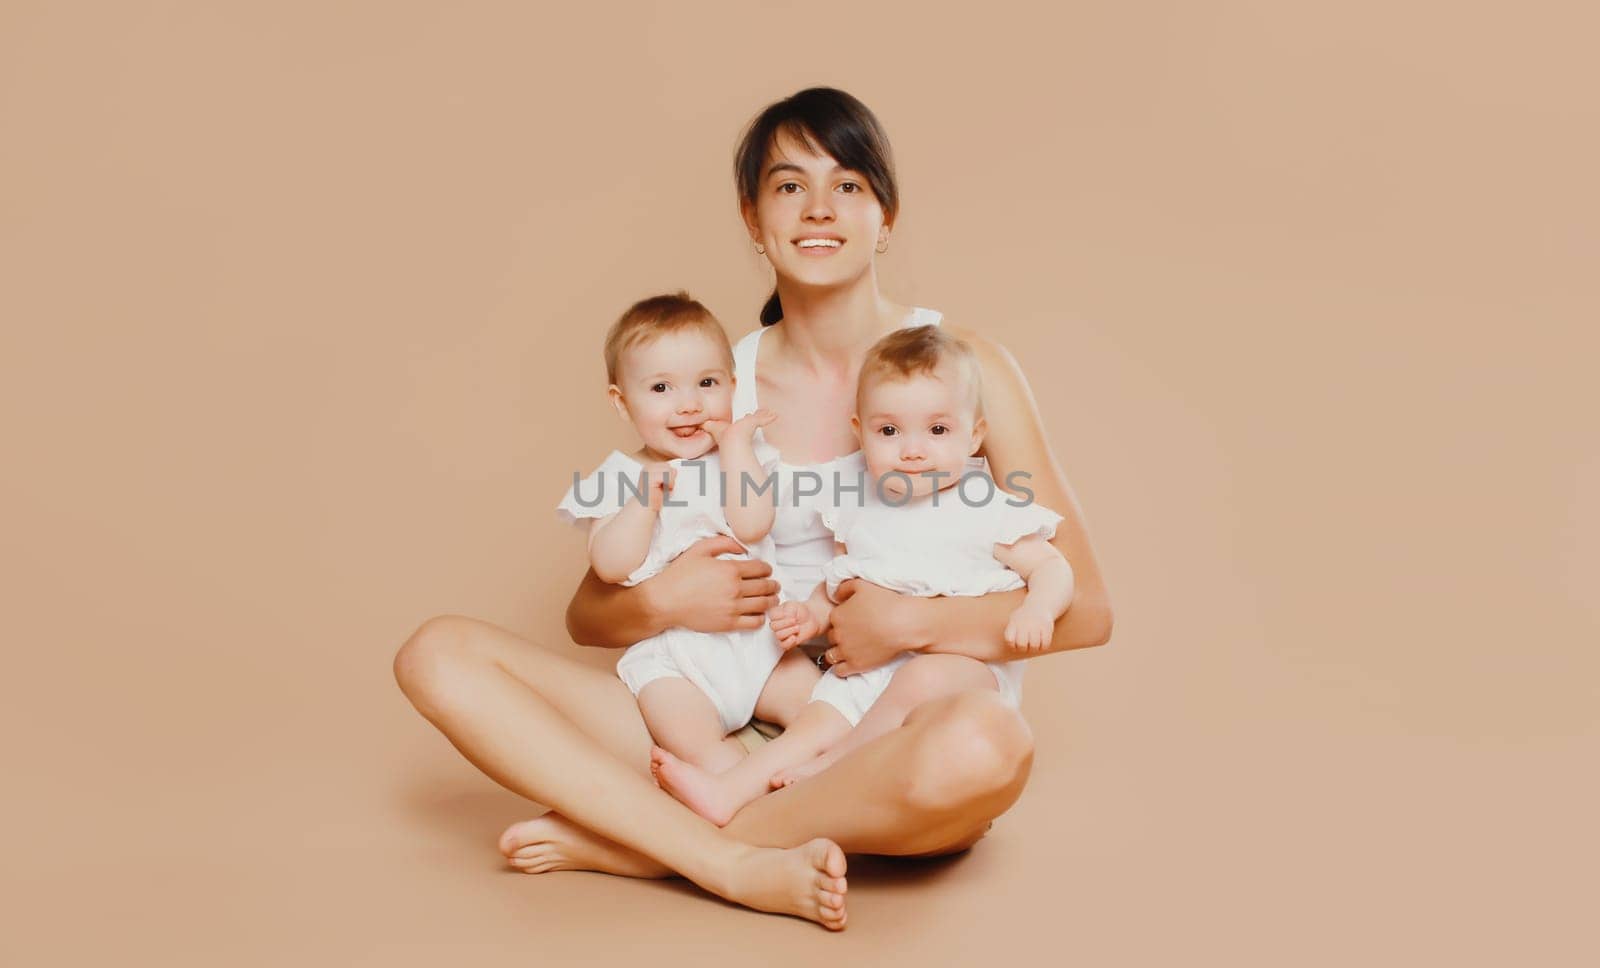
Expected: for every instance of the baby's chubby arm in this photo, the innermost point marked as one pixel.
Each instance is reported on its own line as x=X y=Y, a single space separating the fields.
x=619 y=543
x=1049 y=579
x=736 y=446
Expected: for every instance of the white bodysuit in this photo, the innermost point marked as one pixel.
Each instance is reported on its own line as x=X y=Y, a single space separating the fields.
x=729 y=667
x=940 y=544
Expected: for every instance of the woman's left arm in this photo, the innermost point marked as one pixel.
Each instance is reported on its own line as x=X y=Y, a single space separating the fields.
x=871 y=624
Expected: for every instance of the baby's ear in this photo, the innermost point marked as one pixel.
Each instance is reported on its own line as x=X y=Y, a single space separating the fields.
x=615 y=396
x=980 y=428
x=855 y=425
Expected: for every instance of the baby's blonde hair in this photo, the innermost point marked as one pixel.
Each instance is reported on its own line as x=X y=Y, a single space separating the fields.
x=916 y=351
x=649 y=318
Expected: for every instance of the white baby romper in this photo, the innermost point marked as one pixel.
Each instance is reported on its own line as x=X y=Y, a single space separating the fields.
x=941 y=544
x=729 y=667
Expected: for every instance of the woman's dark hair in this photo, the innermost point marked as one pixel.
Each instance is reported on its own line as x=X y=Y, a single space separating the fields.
x=828 y=121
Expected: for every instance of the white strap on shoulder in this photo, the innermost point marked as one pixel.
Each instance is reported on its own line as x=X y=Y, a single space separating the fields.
x=744 y=373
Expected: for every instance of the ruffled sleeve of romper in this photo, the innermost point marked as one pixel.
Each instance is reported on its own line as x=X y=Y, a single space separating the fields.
x=600 y=494
x=838 y=515
x=1009 y=524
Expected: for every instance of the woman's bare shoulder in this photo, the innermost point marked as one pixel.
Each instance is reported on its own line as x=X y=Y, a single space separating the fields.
x=1000 y=369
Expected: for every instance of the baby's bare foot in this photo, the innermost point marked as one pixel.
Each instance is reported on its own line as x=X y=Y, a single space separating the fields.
x=693 y=787
x=554 y=843
x=812 y=767
x=806 y=881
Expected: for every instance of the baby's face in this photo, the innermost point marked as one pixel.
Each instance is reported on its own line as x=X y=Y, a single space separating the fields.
x=919 y=424
x=669 y=386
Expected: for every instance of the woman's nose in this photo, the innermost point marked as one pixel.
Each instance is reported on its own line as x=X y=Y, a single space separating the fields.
x=819 y=208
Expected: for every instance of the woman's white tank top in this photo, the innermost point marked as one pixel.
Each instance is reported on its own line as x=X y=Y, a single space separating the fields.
x=803 y=543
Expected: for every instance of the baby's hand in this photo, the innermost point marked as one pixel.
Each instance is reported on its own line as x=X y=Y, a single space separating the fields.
x=1030 y=628
x=658 y=481
x=742 y=430
x=793 y=623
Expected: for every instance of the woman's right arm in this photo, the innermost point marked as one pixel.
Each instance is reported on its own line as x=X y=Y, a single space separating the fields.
x=697 y=591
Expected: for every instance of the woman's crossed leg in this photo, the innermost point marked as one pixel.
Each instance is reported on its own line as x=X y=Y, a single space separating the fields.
x=559 y=732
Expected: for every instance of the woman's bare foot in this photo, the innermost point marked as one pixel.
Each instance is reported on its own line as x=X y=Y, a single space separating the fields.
x=795 y=774
x=702 y=792
x=554 y=843
x=806 y=881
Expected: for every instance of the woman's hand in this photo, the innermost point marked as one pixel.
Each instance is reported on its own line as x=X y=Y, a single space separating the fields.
x=705 y=593
x=871 y=625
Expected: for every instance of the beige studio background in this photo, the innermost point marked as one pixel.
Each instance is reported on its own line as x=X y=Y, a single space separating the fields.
x=302 y=306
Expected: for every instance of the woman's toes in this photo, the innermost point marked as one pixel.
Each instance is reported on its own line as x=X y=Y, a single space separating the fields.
x=536 y=862
x=831 y=884
x=833 y=861
x=516 y=836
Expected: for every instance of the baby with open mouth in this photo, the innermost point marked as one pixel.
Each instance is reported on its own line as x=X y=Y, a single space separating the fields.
x=670 y=370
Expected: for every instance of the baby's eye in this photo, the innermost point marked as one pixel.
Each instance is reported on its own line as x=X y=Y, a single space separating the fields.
x=709 y=381
x=940 y=430
x=658 y=388
x=888 y=430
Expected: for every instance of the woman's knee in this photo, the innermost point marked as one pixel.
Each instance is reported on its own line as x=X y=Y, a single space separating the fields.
x=928 y=677
x=433 y=656
x=974 y=753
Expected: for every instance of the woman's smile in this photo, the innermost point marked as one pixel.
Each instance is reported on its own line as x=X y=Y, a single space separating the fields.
x=816 y=246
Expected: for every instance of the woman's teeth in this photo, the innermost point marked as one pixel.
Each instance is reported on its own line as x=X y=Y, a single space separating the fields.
x=820 y=243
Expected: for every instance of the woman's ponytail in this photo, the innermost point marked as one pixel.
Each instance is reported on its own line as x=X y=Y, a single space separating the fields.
x=772 y=311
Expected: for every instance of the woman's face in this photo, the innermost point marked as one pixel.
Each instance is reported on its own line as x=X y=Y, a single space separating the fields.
x=819 y=222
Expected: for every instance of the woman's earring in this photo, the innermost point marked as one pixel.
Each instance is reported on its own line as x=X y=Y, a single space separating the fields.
x=760 y=249
x=883 y=244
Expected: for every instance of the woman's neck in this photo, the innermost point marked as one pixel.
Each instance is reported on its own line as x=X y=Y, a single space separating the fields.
x=832 y=328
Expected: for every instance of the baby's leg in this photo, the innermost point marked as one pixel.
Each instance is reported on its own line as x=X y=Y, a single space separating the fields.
x=718 y=798
x=682 y=720
x=923 y=679
x=788 y=689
